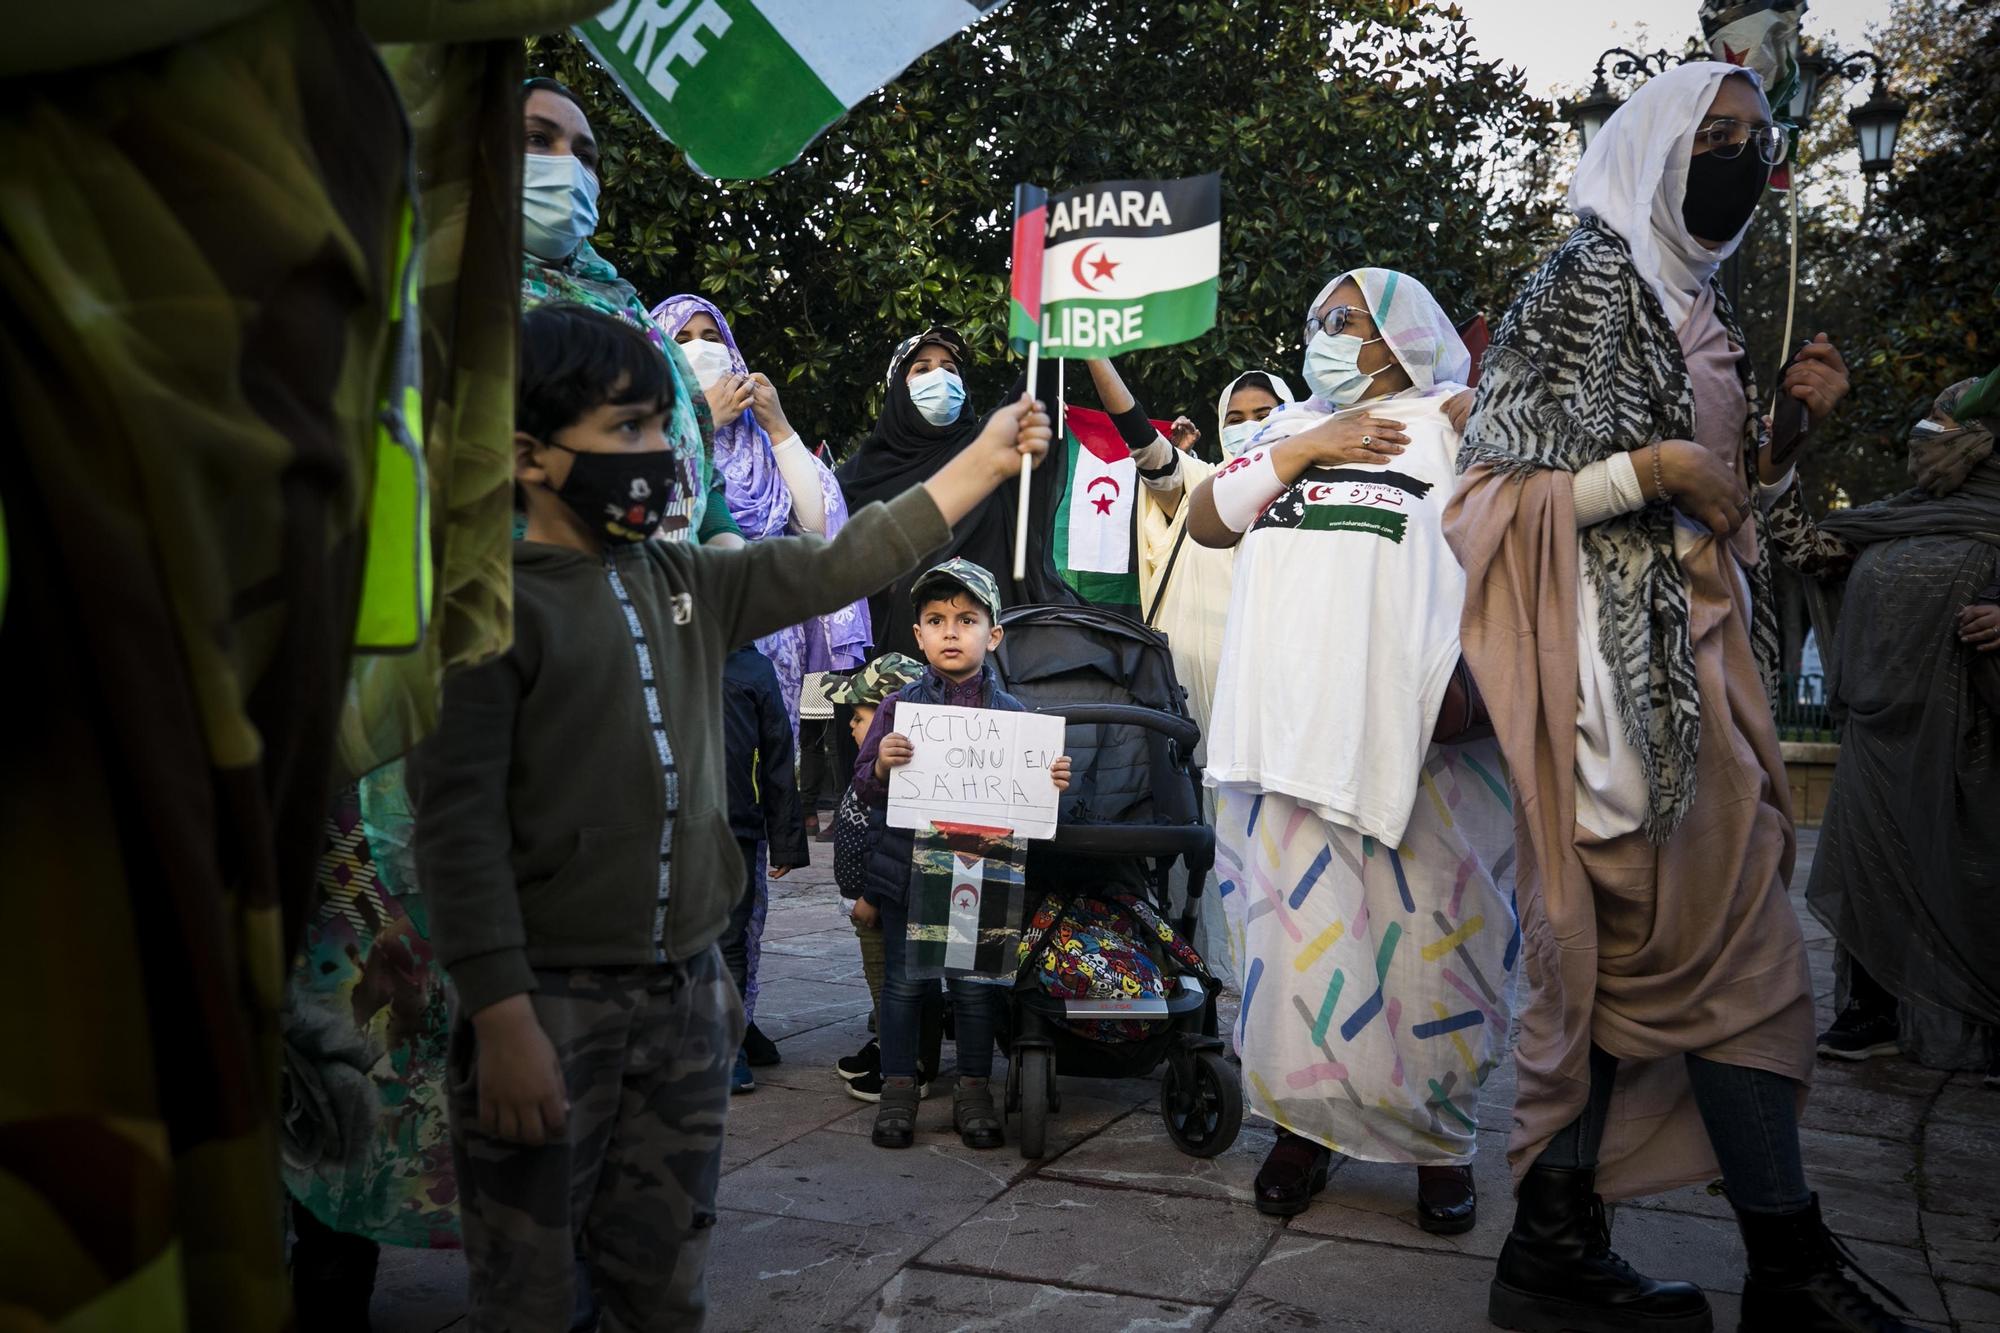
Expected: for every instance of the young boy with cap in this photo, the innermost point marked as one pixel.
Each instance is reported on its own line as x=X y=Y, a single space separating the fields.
x=958 y=608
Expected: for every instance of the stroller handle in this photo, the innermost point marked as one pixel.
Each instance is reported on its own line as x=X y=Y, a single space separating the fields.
x=1182 y=731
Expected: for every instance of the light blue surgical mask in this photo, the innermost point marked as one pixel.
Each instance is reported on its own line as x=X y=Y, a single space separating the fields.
x=558 y=205
x=1333 y=367
x=1236 y=438
x=939 y=395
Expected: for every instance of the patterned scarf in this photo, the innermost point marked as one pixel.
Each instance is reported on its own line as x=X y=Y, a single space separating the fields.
x=1584 y=365
x=1941 y=460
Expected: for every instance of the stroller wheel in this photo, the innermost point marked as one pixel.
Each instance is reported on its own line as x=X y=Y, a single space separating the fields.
x=1037 y=1071
x=1203 y=1107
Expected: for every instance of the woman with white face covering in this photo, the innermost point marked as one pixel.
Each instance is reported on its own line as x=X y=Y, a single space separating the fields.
x=559 y=192
x=927 y=417
x=1364 y=858
x=1619 y=619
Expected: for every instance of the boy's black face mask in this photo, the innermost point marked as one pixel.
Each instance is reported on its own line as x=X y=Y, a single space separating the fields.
x=1722 y=194
x=620 y=497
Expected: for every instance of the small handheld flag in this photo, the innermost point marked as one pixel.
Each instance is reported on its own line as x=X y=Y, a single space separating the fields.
x=1024 y=307
x=1129 y=264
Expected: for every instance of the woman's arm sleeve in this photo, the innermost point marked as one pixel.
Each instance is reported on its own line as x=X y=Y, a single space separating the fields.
x=1605 y=489
x=1800 y=544
x=801 y=477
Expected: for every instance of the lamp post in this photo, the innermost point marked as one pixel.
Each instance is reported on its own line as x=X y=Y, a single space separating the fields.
x=1876 y=122
x=1588 y=113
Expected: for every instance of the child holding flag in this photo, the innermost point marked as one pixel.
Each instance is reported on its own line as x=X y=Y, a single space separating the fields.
x=957 y=605
x=573 y=840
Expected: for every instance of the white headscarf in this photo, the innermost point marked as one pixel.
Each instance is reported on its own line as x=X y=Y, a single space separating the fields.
x=1279 y=388
x=1633 y=179
x=1418 y=331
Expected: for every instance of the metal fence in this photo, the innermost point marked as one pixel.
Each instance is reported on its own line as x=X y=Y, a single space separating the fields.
x=1802 y=711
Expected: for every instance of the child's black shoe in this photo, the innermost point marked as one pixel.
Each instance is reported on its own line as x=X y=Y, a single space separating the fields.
x=867 y=1060
x=896 y=1116
x=760 y=1048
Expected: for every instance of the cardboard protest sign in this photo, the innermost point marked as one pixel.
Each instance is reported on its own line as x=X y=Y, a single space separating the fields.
x=978 y=767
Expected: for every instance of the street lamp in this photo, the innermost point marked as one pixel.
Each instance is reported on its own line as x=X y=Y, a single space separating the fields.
x=1875 y=123
x=1589 y=112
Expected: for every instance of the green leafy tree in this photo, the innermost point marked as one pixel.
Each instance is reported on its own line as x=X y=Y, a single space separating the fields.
x=1348 y=132
x=1903 y=279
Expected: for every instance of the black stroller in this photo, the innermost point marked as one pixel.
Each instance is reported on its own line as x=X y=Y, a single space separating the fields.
x=1133 y=808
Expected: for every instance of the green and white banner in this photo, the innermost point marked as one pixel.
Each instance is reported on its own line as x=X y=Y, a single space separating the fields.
x=1130 y=264
x=743 y=86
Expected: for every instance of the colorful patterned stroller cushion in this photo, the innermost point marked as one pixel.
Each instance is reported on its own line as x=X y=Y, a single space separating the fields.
x=1096 y=951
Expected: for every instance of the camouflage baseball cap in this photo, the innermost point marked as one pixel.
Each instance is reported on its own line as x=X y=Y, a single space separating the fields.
x=958 y=570
x=876 y=681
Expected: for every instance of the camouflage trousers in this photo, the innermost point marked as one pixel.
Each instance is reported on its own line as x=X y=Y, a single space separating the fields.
x=646 y=1054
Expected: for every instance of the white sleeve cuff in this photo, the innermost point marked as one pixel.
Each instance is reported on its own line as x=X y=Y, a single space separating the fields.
x=1245 y=488
x=1770 y=495
x=801 y=477
x=1606 y=489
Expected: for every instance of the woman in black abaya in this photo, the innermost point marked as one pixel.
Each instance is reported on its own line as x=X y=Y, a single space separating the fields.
x=927 y=417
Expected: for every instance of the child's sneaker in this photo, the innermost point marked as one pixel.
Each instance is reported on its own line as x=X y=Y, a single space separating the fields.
x=867 y=1088
x=760 y=1048
x=740 y=1079
x=867 y=1060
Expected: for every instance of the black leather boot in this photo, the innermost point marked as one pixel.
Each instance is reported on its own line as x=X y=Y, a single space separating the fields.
x=1799 y=1281
x=1295 y=1170
x=1557 y=1273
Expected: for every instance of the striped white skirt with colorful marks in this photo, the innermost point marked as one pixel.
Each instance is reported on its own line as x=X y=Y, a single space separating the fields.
x=1375 y=979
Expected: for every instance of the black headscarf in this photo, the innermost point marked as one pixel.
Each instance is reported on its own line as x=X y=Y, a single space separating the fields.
x=904 y=450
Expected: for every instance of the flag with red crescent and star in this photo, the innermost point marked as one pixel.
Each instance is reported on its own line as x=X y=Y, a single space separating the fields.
x=1094 y=523
x=1762 y=35
x=1123 y=265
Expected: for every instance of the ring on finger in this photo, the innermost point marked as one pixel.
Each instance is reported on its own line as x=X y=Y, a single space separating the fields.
x=1368 y=439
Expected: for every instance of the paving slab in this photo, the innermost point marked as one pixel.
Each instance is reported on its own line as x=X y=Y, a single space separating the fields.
x=418 y=1291
x=1136 y=1152
x=921 y=1300
x=774 y=1115
x=788 y=1273
x=1182 y=1249
x=1315 y=1282
x=789 y=1006
x=827 y=1176
x=1376 y=1202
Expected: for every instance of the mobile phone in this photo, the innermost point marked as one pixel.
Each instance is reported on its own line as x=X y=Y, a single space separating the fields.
x=1789 y=419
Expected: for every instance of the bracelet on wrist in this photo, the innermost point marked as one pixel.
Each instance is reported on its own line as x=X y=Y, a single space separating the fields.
x=1659 y=479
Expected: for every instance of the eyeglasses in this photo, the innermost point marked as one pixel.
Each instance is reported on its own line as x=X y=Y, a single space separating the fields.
x=1334 y=321
x=1725 y=139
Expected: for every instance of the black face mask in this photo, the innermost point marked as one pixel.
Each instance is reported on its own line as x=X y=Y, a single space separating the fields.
x=1722 y=194
x=620 y=497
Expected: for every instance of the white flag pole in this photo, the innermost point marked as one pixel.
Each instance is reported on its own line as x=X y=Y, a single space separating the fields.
x=1027 y=468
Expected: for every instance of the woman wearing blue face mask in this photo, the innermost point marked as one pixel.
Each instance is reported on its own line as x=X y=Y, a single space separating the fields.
x=1362 y=839
x=559 y=196
x=927 y=417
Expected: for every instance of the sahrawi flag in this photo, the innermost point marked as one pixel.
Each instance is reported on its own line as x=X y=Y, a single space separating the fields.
x=967 y=900
x=1124 y=265
x=1095 y=522
x=743 y=86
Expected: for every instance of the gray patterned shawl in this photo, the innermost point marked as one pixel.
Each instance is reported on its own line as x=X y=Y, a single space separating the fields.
x=1582 y=366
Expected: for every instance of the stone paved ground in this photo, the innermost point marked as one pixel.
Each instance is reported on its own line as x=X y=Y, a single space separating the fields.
x=1115 y=1229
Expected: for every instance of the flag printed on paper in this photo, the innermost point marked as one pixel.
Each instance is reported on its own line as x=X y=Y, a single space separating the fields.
x=1128 y=264
x=743 y=86
x=1095 y=521
x=967 y=900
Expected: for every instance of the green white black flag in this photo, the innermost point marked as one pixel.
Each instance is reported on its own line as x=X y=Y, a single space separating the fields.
x=743 y=86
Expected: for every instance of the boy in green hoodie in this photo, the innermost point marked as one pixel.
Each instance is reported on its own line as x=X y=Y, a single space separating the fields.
x=573 y=833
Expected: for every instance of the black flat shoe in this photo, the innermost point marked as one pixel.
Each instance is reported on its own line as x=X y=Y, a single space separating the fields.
x=1294 y=1172
x=1447 y=1201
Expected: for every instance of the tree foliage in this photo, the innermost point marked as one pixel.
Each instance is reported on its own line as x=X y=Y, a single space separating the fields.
x=1348 y=132
x=1905 y=285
